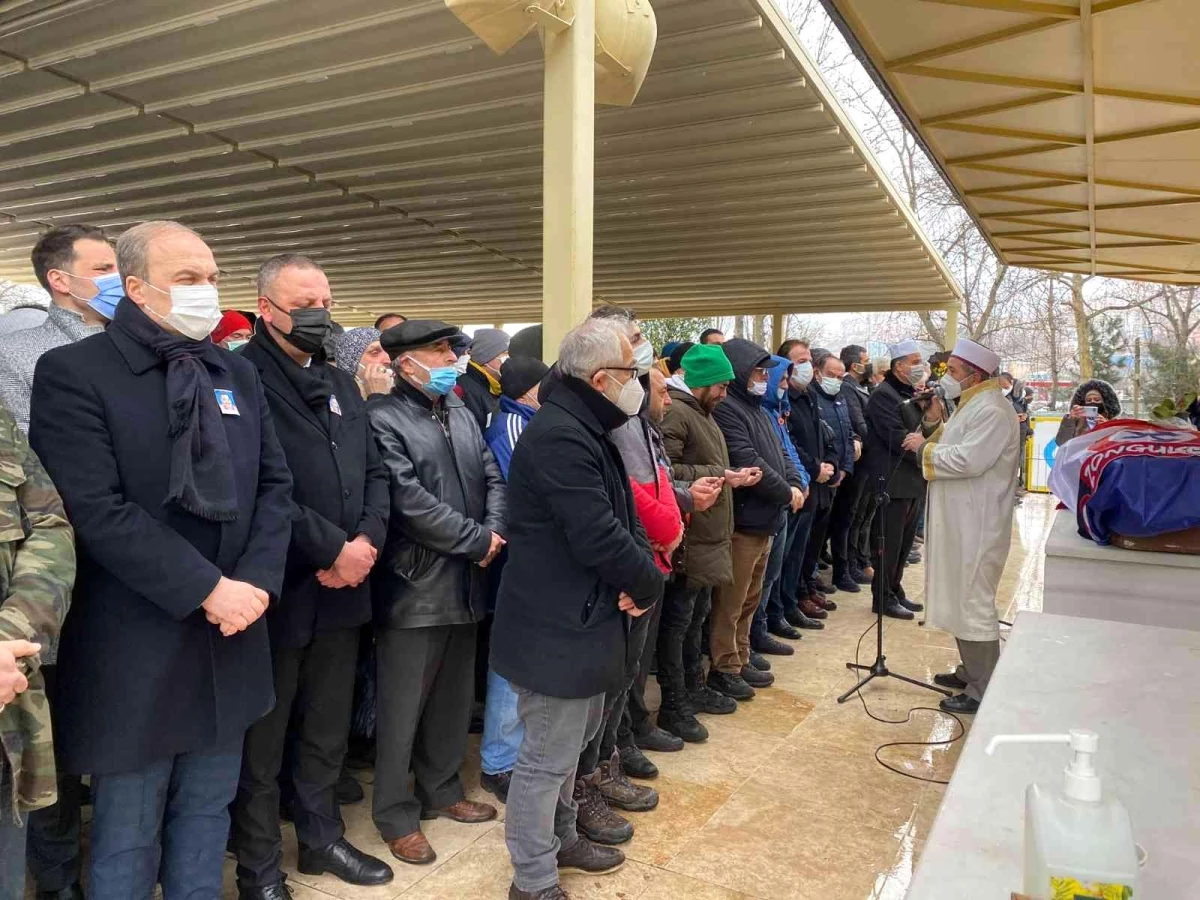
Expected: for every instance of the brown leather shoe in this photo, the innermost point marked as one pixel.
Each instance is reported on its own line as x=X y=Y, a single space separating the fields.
x=412 y=848
x=811 y=609
x=824 y=602
x=469 y=812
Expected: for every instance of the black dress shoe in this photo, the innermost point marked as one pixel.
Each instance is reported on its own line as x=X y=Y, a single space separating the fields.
x=347 y=790
x=847 y=584
x=757 y=678
x=950 y=680
x=960 y=703
x=496 y=785
x=759 y=662
x=276 y=891
x=635 y=764
x=768 y=644
x=784 y=630
x=914 y=557
x=343 y=860
x=895 y=611
x=860 y=576
x=800 y=620
x=74 y=892
x=822 y=587
x=910 y=605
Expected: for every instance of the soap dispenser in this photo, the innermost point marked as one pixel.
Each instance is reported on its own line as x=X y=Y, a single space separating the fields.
x=1078 y=843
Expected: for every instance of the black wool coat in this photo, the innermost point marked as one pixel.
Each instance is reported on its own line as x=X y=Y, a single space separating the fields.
x=574 y=545
x=813 y=442
x=143 y=675
x=447 y=497
x=339 y=491
x=890 y=420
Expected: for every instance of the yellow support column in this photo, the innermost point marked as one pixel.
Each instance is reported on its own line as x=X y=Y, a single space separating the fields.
x=568 y=171
x=951 y=328
x=776 y=331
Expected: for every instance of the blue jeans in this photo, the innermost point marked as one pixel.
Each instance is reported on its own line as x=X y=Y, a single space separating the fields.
x=502 y=728
x=165 y=823
x=771 y=576
x=791 y=583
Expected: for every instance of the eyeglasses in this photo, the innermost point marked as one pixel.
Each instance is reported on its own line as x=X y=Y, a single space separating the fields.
x=632 y=370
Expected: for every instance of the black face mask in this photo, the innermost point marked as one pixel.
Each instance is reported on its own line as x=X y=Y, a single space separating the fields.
x=310 y=327
x=867 y=373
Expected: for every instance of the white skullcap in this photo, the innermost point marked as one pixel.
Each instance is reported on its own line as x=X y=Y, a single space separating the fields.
x=904 y=348
x=977 y=355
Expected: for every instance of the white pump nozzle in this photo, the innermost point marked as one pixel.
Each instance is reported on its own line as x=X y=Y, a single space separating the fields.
x=1081 y=781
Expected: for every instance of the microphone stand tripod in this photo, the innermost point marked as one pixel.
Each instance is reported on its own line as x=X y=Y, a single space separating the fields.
x=879 y=669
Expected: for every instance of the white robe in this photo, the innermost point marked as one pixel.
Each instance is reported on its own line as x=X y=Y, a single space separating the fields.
x=971 y=467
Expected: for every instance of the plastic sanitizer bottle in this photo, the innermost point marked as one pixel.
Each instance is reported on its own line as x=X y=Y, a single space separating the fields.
x=1078 y=844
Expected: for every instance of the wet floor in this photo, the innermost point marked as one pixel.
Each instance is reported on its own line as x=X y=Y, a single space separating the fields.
x=785 y=799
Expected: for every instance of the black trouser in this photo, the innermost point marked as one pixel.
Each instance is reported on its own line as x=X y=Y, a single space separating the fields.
x=892 y=533
x=841 y=523
x=812 y=552
x=637 y=715
x=321 y=675
x=426 y=687
x=52 y=843
x=860 y=529
x=684 y=609
x=600 y=747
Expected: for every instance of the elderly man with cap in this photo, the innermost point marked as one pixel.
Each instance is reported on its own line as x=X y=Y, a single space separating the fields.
x=892 y=413
x=479 y=386
x=971 y=466
x=430 y=589
x=233 y=332
x=359 y=352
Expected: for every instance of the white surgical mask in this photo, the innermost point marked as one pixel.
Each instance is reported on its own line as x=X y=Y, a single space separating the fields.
x=831 y=385
x=757 y=388
x=195 y=309
x=802 y=375
x=951 y=387
x=643 y=357
x=629 y=399
x=461 y=364
x=1008 y=392
x=781 y=391
x=917 y=373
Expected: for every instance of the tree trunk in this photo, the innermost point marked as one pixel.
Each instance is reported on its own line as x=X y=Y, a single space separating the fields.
x=1052 y=323
x=1082 y=332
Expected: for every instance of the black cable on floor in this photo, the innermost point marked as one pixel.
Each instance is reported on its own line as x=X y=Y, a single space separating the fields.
x=962 y=730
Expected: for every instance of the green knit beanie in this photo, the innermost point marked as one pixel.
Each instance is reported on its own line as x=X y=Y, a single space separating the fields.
x=705 y=364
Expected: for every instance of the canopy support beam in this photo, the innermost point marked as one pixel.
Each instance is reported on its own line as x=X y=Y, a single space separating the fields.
x=568 y=173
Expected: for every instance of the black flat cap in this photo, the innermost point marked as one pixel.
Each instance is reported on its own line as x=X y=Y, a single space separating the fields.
x=415 y=333
x=519 y=374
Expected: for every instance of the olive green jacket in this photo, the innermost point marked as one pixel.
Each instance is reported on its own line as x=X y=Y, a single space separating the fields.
x=37 y=570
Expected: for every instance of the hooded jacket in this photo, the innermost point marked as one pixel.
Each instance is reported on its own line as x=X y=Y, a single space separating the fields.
x=1110 y=408
x=778 y=409
x=752 y=441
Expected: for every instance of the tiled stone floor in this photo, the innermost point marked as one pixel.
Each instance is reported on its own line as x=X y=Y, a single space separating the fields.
x=785 y=799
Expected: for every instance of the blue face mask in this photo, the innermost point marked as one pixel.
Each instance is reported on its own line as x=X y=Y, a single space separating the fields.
x=111 y=289
x=441 y=380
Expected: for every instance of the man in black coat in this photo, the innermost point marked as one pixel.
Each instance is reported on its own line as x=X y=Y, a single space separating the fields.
x=758 y=514
x=858 y=506
x=579 y=570
x=430 y=588
x=890 y=419
x=164 y=451
x=339 y=520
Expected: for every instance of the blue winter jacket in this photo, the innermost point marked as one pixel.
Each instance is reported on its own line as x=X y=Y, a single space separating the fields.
x=777 y=409
x=506 y=427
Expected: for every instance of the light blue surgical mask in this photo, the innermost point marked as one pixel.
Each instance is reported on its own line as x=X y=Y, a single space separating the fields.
x=110 y=288
x=441 y=380
x=235 y=346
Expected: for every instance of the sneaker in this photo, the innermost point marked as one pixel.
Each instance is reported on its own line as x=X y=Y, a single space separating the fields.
x=767 y=644
x=713 y=703
x=622 y=793
x=587 y=858
x=496 y=785
x=658 y=741
x=730 y=685
x=684 y=725
x=759 y=662
x=596 y=821
x=757 y=678
x=784 y=630
x=635 y=764
x=848 y=584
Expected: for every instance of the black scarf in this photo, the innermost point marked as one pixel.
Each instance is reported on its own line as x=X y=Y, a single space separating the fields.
x=313 y=384
x=202 y=480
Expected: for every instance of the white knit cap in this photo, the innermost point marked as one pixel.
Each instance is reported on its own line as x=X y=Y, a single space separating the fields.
x=903 y=349
x=977 y=355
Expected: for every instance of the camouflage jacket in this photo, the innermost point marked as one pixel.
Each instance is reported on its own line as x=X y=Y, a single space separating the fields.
x=37 y=570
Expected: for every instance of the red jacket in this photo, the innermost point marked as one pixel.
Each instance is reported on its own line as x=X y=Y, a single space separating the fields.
x=659 y=513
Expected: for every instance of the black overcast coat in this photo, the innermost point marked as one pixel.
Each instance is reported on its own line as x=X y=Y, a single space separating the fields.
x=144 y=675
x=574 y=544
x=339 y=491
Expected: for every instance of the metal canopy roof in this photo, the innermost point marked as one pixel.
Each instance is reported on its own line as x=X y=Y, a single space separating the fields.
x=1070 y=129
x=384 y=139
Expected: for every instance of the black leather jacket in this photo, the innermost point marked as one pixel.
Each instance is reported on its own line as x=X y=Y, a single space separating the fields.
x=447 y=497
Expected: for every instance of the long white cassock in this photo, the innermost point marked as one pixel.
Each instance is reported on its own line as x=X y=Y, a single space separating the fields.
x=971 y=467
